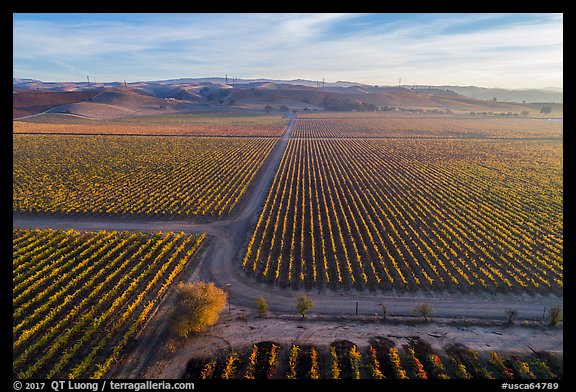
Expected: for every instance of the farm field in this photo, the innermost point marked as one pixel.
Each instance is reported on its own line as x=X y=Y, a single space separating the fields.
x=334 y=211
x=335 y=125
x=133 y=175
x=80 y=297
x=342 y=359
x=208 y=124
x=238 y=196
x=462 y=215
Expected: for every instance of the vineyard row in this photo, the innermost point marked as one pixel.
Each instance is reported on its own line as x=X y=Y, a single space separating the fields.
x=361 y=126
x=344 y=360
x=407 y=215
x=79 y=297
x=118 y=175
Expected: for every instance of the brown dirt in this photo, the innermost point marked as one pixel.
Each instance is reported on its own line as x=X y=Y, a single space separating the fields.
x=26 y=102
x=239 y=334
x=234 y=333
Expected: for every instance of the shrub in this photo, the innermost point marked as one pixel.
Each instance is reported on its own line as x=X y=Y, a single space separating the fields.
x=261 y=306
x=511 y=313
x=555 y=315
x=199 y=306
x=304 y=304
x=423 y=310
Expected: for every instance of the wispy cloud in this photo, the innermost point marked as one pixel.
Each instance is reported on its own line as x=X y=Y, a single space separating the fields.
x=308 y=26
x=488 y=49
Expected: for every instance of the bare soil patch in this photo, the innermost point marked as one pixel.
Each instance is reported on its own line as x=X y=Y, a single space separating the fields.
x=242 y=330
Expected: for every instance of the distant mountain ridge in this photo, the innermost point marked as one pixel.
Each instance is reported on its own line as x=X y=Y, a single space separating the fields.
x=552 y=94
x=118 y=99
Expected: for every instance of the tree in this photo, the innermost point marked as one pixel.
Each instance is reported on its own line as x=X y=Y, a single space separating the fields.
x=524 y=113
x=384 y=310
x=304 y=304
x=268 y=108
x=423 y=310
x=198 y=306
x=330 y=103
x=546 y=110
x=555 y=315
x=511 y=313
x=261 y=306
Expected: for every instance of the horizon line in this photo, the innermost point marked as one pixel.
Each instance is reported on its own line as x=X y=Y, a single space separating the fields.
x=272 y=80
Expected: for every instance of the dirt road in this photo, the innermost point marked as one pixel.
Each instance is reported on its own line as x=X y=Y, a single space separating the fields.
x=230 y=334
x=221 y=260
x=227 y=236
x=221 y=263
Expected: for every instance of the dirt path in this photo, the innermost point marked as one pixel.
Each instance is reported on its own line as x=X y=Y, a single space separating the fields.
x=221 y=260
x=233 y=334
x=219 y=264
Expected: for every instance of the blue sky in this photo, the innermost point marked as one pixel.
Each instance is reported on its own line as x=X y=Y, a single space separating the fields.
x=488 y=50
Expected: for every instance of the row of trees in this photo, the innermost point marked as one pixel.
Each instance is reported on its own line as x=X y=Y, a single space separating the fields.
x=200 y=305
x=304 y=304
x=334 y=104
x=524 y=113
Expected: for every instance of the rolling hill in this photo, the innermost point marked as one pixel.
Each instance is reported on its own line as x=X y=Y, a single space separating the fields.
x=115 y=100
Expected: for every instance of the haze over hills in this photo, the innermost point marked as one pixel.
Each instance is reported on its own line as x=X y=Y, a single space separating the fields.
x=550 y=94
x=105 y=100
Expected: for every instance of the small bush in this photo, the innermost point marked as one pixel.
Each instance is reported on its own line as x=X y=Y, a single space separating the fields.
x=423 y=310
x=261 y=306
x=199 y=306
x=555 y=315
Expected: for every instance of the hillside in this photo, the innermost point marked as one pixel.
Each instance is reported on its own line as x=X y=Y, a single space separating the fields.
x=109 y=101
x=27 y=102
x=507 y=95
